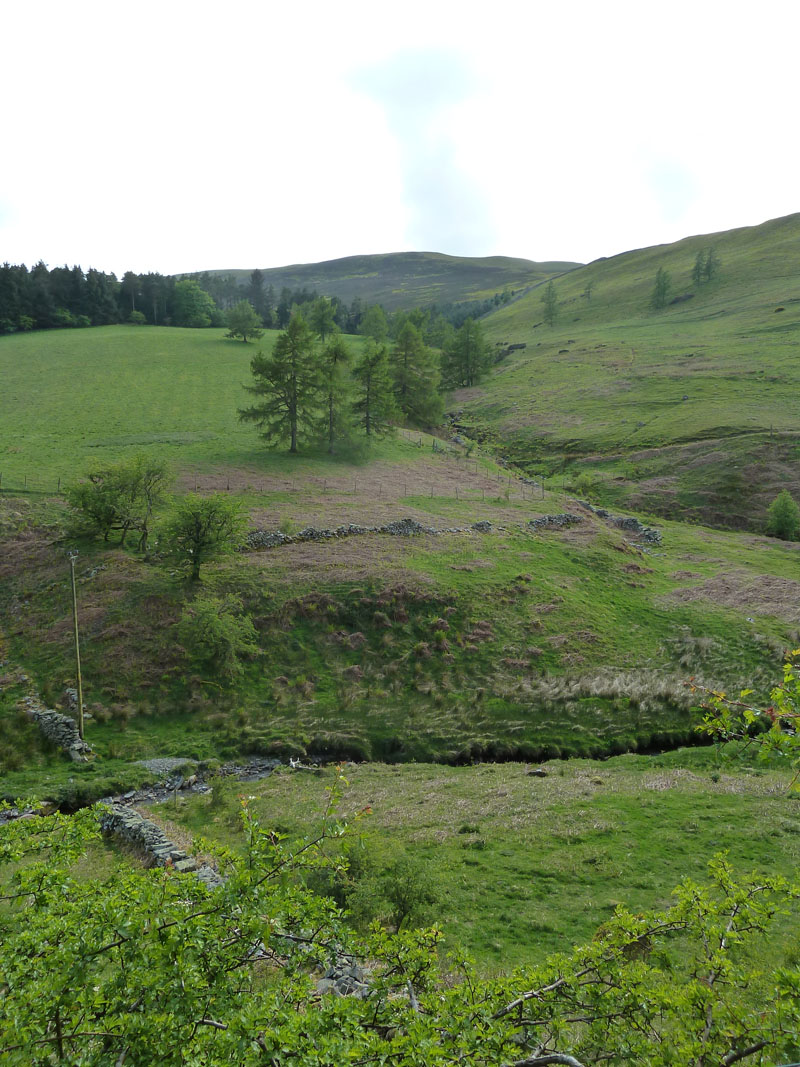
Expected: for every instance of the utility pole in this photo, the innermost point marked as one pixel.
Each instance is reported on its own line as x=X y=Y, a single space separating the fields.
x=73 y=555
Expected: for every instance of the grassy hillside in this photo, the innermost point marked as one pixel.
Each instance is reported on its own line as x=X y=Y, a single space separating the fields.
x=507 y=642
x=409 y=279
x=514 y=641
x=690 y=411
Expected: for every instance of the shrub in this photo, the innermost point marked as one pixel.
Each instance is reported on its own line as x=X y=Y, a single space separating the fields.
x=783 y=517
x=204 y=527
x=216 y=631
x=120 y=496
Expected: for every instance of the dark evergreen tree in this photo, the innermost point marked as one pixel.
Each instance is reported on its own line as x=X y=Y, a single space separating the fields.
x=255 y=292
x=269 y=307
x=284 y=309
x=43 y=307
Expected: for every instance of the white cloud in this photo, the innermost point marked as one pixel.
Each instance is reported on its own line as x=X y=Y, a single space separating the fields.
x=182 y=136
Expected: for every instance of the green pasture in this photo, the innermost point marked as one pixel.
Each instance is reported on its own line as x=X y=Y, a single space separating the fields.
x=524 y=865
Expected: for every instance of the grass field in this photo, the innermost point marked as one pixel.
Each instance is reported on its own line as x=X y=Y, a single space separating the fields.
x=462 y=646
x=524 y=865
x=455 y=647
x=72 y=398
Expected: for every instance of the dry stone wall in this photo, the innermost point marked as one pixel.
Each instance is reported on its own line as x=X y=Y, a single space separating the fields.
x=60 y=730
x=128 y=825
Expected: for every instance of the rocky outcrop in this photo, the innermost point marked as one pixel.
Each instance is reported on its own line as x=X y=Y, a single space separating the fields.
x=344 y=978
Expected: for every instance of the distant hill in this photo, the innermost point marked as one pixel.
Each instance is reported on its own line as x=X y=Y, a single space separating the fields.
x=408 y=279
x=692 y=410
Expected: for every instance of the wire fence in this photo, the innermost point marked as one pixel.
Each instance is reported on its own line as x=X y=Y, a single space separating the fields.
x=40 y=484
x=495 y=486
x=494 y=483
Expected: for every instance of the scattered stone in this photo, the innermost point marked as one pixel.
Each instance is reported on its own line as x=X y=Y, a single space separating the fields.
x=165 y=764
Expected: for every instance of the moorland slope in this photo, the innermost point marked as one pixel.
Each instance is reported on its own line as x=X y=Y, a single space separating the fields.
x=409 y=279
x=691 y=410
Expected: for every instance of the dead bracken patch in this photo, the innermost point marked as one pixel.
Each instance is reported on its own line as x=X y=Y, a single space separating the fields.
x=762 y=595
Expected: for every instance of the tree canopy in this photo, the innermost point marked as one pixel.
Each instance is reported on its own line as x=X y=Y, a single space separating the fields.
x=120 y=497
x=783 y=517
x=192 y=306
x=415 y=375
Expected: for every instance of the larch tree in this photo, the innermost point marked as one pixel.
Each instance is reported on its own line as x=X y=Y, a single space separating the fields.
x=467 y=358
x=374 y=404
x=335 y=388
x=287 y=383
x=321 y=317
x=415 y=376
x=373 y=324
x=661 y=288
x=550 y=304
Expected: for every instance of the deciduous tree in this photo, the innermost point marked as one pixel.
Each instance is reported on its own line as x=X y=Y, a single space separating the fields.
x=121 y=497
x=204 y=527
x=783 y=517
x=152 y=967
x=192 y=306
x=244 y=322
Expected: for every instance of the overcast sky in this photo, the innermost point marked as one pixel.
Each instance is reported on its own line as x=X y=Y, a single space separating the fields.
x=179 y=136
